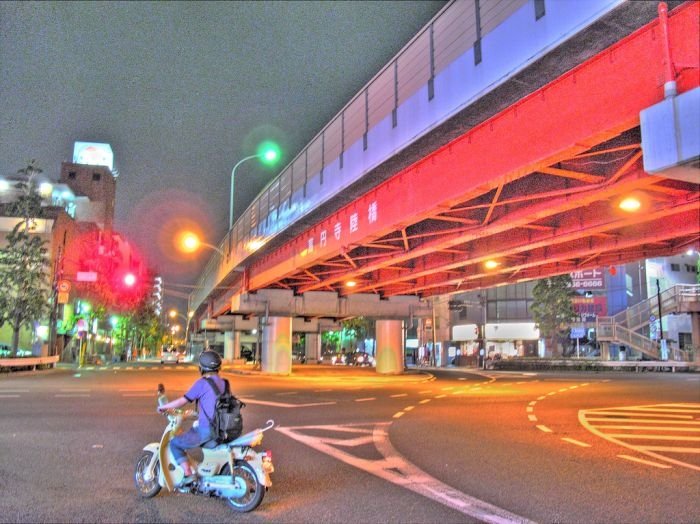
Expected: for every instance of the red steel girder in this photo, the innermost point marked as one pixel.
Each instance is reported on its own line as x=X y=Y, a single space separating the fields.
x=595 y=101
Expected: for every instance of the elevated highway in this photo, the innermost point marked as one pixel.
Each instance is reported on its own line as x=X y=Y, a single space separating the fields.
x=490 y=172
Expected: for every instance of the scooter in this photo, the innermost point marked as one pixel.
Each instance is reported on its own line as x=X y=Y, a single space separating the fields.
x=233 y=471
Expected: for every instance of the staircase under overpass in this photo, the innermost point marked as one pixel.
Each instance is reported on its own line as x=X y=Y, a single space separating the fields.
x=626 y=327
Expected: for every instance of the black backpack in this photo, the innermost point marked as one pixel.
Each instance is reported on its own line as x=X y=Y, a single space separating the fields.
x=227 y=423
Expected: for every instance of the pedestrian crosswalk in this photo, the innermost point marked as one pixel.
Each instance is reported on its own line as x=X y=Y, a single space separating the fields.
x=666 y=432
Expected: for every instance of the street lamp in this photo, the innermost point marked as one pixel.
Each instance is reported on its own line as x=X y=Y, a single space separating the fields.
x=268 y=153
x=174 y=313
x=190 y=242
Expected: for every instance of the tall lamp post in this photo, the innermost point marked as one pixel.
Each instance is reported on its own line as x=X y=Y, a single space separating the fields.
x=174 y=313
x=269 y=153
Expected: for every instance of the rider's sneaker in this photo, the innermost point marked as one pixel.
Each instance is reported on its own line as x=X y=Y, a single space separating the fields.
x=186 y=481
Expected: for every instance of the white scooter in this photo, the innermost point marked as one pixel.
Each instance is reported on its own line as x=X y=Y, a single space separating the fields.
x=233 y=471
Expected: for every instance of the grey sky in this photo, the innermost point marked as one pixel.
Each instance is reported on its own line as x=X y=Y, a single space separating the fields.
x=182 y=91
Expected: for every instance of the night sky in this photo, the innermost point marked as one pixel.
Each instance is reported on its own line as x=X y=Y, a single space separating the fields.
x=182 y=91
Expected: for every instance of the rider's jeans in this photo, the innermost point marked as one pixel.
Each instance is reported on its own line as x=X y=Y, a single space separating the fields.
x=193 y=438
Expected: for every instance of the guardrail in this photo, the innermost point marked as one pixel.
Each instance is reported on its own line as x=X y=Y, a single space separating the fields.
x=27 y=362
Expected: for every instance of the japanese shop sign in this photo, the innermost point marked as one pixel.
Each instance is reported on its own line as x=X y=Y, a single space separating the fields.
x=588 y=279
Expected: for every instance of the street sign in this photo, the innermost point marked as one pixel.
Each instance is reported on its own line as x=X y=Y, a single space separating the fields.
x=62 y=297
x=64 y=286
x=577 y=332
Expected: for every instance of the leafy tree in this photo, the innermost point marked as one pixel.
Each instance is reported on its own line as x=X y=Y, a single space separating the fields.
x=553 y=310
x=24 y=261
x=358 y=328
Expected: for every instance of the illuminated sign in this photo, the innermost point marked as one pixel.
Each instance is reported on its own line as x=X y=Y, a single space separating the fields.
x=94 y=154
x=588 y=279
x=588 y=308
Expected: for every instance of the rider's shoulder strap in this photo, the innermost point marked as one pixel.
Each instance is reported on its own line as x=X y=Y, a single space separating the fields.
x=213 y=386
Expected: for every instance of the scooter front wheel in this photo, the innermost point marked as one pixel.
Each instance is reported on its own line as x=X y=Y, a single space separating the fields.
x=146 y=481
x=254 y=491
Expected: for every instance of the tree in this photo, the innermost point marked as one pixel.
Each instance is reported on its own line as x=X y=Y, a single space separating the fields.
x=358 y=328
x=24 y=261
x=553 y=310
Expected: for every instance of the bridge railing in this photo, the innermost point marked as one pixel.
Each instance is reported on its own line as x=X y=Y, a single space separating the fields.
x=457 y=36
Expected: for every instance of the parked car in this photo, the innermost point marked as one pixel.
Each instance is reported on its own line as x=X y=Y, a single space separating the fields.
x=360 y=358
x=170 y=357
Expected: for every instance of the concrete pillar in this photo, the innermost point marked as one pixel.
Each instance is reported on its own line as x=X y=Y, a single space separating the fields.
x=695 y=334
x=277 y=346
x=605 y=350
x=313 y=347
x=228 y=346
x=236 y=344
x=389 y=346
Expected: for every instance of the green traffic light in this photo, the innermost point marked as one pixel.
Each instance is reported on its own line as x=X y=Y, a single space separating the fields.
x=269 y=153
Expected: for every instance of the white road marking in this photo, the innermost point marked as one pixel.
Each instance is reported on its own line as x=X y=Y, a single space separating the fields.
x=532 y=418
x=542 y=397
x=399 y=414
x=394 y=468
x=529 y=409
x=365 y=399
x=138 y=395
x=14 y=391
x=440 y=396
x=668 y=419
x=409 y=408
x=9 y=396
x=425 y=401
x=532 y=403
x=283 y=405
x=287 y=393
x=399 y=395
x=71 y=395
x=576 y=442
x=544 y=428
x=647 y=462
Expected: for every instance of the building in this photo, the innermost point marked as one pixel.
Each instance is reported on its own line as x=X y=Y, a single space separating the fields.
x=78 y=209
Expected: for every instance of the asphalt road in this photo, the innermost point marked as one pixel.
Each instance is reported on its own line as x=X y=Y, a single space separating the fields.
x=352 y=446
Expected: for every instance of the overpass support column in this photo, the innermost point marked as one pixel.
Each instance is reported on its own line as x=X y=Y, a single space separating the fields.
x=228 y=346
x=313 y=347
x=389 y=347
x=236 y=344
x=277 y=346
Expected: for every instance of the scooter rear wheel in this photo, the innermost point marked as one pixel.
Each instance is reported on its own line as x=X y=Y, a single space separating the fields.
x=146 y=484
x=243 y=472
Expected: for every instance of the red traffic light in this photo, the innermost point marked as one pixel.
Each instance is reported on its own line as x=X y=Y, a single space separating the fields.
x=129 y=280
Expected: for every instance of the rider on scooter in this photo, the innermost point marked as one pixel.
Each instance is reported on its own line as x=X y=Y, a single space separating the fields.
x=201 y=391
